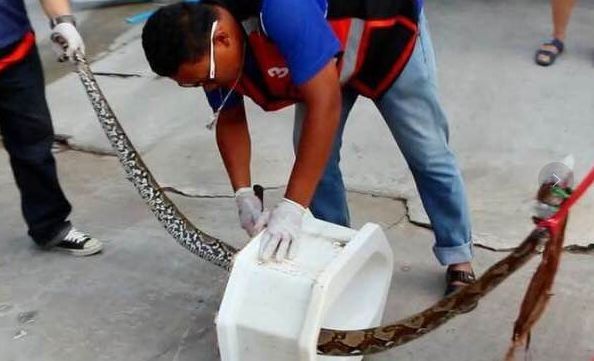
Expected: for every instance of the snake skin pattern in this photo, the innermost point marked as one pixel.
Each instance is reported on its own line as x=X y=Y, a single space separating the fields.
x=177 y=225
x=374 y=340
x=330 y=342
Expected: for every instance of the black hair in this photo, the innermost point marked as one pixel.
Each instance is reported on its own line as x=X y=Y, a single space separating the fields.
x=176 y=34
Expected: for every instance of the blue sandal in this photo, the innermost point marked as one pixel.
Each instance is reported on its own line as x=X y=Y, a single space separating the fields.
x=549 y=56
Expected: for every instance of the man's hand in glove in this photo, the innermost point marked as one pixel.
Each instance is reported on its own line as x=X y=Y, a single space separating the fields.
x=66 y=40
x=280 y=238
x=250 y=210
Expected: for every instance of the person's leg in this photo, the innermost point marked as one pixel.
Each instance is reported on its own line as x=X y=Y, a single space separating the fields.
x=329 y=202
x=560 y=13
x=417 y=121
x=28 y=135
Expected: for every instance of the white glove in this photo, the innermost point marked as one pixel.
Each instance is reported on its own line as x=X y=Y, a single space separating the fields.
x=250 y=210
x=66 y=41
x=283 y=226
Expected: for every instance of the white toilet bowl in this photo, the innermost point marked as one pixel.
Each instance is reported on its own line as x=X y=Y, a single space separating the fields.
x=339 y=279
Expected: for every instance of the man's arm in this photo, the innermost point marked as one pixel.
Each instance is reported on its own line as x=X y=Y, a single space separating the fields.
x=54 y=8
x=233 y=140
x=322 y=99
x=305 y=39
x=65 y=37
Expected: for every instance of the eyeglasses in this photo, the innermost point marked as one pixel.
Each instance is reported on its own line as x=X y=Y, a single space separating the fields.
x=211 y=63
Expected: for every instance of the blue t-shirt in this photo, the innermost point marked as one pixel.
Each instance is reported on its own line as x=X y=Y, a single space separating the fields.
x=301 y=33
x=304 y=37
x=14 y=22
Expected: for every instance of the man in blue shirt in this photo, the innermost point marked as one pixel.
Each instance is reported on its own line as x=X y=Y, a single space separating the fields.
x=320 y=55
x=26 y=126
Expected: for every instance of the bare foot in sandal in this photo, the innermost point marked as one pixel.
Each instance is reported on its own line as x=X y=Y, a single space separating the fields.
x=457 y=276
x=548 y=52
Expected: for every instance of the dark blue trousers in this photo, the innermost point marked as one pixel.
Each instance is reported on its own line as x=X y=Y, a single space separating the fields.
x=28 y=134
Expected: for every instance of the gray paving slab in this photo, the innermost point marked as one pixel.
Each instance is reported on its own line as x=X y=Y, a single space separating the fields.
x=509 y=117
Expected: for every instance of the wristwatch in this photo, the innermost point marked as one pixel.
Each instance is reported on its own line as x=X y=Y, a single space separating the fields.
x=62 y=19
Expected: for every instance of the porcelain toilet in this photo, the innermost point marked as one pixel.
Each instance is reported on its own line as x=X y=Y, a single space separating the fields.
x=339 y=279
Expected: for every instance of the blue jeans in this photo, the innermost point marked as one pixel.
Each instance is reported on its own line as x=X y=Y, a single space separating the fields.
x=417 y=122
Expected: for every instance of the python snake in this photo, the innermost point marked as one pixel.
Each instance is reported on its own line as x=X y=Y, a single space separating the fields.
x=331 y=342
x=178 y=226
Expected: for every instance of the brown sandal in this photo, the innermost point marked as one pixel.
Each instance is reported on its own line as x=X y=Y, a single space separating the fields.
x=457 y=276
x=453 y=276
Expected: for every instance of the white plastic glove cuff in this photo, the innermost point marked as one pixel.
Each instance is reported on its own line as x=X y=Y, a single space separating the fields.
x=243 y=190
x=295 y=204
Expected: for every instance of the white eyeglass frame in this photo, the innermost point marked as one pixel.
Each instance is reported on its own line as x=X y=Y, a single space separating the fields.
x=211 y=65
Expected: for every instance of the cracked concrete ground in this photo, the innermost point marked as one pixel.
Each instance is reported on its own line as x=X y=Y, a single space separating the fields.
x=146 y=298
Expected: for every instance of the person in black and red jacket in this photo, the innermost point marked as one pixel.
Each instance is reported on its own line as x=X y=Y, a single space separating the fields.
x=321 y=55
x=26 y=126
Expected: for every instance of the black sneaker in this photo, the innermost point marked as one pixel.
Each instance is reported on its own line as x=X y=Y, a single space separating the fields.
x=78 y=244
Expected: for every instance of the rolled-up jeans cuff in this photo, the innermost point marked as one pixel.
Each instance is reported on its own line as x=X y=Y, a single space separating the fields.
x=453 y=255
